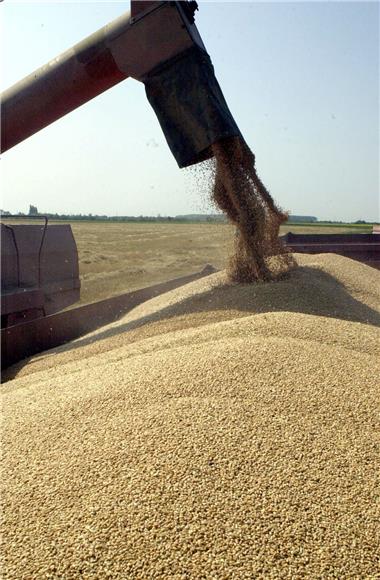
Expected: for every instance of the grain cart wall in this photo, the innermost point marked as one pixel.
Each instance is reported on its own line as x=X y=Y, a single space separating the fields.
x=39 y=270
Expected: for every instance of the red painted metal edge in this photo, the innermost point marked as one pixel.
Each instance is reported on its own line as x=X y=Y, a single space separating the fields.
x=24 y=340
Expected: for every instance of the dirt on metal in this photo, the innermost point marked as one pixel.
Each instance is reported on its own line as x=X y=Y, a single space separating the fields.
x=240 y=194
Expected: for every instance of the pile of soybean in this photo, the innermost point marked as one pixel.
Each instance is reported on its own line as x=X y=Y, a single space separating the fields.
x=218 y=431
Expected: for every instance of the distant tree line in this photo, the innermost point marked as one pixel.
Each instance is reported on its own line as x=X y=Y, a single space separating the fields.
x=33 y=212
x=302 y=218
x=188 y=218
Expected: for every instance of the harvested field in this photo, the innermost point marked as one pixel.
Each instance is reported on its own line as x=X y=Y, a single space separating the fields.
x=119 y=257
x=116 y=258
x=217 y=431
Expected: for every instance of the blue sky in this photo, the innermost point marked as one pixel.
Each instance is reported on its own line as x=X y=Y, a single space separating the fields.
x=301 y=79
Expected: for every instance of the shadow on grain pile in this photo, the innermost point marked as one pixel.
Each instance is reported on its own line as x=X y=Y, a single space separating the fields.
x=310 y=289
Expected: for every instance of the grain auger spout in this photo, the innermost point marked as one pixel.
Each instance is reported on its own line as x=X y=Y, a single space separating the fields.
x=156 y=43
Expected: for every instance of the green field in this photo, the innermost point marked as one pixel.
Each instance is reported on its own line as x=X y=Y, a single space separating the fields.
x=325 y=226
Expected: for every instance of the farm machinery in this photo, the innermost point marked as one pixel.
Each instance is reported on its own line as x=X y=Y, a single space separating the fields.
x=39 y=271
x=157 y=43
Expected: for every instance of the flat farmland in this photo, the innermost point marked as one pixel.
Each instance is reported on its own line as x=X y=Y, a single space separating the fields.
x=119 y=257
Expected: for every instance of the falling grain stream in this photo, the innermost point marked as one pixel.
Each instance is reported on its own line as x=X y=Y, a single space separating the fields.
x=241 y=195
